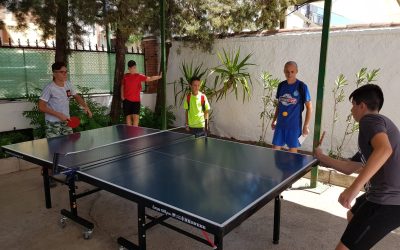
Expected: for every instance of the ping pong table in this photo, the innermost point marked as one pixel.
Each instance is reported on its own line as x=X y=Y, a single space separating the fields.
x=208 y=183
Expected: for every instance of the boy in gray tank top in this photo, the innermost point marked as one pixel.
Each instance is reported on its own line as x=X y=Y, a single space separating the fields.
x=377 y=212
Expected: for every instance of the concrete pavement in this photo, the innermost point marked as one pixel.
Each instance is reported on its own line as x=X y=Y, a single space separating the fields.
x=309 y=221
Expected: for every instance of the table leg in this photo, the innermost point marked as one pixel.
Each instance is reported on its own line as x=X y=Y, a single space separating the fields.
x=218 y=241
x=142 y=226
x=277 y=219
x=141 y=232
x=72 y=197
x=73 y=213
x=46 y=186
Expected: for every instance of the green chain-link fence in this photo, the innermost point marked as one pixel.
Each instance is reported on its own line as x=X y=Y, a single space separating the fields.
x=24 y=69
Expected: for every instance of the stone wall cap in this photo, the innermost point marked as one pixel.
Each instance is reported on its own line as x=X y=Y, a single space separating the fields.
x=303 y=30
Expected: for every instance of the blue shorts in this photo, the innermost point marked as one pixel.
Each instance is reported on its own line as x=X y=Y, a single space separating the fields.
x=287 y=137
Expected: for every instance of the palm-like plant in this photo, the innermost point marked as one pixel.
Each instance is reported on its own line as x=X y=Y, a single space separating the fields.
x=182 y=88
x=231 y=75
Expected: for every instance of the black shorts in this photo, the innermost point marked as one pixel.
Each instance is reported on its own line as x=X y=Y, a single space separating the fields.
x=131 y=108
x=370 y=223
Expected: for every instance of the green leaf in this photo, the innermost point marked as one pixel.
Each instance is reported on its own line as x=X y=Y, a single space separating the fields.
x=231 y=74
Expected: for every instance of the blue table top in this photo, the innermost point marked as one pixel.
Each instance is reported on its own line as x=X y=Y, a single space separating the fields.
x=44 y=149
x=207 y=178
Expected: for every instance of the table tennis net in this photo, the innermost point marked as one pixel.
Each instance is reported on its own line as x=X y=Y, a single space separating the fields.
x=109 y=153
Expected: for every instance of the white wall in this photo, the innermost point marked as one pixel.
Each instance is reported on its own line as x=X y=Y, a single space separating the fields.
x=11 y=115
x=349 y=51
x=149 y=100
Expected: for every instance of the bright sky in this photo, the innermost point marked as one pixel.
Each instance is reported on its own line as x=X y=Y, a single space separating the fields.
x=365 y=11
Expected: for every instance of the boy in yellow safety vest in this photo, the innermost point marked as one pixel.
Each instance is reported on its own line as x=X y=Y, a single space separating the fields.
x=197 y=109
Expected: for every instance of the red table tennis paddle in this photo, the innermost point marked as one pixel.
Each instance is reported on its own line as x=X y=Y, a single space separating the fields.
x=73 y=122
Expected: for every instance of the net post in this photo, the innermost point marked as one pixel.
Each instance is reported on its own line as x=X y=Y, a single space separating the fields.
x=206 y=127
x=56 y=158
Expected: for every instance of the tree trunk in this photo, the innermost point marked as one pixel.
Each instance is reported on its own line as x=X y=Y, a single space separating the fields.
x=120 y=52
x=62 y=49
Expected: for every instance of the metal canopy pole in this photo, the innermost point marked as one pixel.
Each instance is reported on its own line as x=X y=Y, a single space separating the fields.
x=163 y=66
x=321 y=83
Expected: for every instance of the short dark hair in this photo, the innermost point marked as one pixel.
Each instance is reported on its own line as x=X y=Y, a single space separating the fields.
x=57 y=65
x=131 y=63
x=370 y=94
x=194 y=78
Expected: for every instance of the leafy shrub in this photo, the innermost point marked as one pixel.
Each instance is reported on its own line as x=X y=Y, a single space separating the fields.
x=35 y=116
x=363 y=76
x=100 y=117
x=270 y=86
x=149 y=119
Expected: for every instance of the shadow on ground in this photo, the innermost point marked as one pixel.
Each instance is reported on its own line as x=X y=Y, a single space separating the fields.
x=25 y=223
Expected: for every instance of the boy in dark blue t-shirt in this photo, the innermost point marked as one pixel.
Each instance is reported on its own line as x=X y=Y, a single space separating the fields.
x=292 y=96
x=377 y=212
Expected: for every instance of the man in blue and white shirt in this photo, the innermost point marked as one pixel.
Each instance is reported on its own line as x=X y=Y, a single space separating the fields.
x=292 y=96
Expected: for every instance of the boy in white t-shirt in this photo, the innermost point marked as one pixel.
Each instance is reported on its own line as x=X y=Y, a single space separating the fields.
x=54 y=102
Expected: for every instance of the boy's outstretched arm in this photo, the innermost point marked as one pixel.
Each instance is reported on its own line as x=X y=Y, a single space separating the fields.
x=206 y=114
x=83 y=104
x=344 y=166
x=153 y=78
x=381 y=152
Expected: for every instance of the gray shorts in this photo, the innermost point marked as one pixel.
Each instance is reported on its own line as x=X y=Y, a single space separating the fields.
x=197 y=132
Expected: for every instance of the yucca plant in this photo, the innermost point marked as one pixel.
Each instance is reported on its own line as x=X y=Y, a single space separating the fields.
x=231 y=75
x=182 y=88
